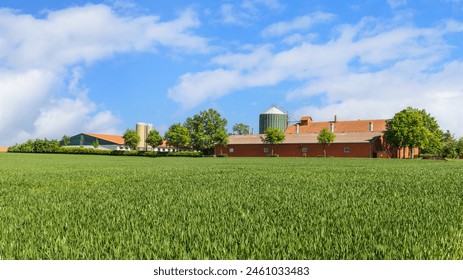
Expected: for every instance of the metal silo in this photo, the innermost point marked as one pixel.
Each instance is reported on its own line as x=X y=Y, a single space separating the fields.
x=141 y=131
x=273 y=117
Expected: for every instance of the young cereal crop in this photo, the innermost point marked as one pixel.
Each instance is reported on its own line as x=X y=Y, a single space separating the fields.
x=103 y=207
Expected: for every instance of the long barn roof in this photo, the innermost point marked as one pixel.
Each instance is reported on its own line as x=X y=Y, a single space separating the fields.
x=116 y=139
x=306 y=138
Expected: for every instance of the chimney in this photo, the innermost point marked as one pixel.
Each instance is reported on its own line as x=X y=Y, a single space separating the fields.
x=371 y=126
x=335 y=118
x=297 y=128
x=332 y=127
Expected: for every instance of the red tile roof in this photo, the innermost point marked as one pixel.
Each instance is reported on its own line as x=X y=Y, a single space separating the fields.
x=340 y=126
x=116 y=139
x=3 y=148
x=341 y=137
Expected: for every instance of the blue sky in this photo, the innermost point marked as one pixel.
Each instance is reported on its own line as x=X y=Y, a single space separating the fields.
x=78 y=66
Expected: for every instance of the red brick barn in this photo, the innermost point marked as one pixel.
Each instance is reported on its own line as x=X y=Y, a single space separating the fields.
x=358 y=138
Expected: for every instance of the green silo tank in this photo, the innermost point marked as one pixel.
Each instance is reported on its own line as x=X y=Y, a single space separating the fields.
x=274 y=118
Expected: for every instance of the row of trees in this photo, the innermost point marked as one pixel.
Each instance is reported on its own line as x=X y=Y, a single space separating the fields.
x=202 y=132
x=36 y=146
x=413 y=128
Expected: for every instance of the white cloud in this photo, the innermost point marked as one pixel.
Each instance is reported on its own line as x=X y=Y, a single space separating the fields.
x=301 y=23
x=246 y=12
x=39 y=99
x=368 y=70
x=71 y=116
x=231 y=15
x=194 y=89
x=396 y=3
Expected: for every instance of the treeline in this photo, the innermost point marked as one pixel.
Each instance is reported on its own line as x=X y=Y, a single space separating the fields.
x=36 y=146
x=202 y=132
x=53 y=146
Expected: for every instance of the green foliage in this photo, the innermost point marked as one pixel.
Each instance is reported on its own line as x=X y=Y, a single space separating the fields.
x=131 y=139
x=154 y=139
x=66 y=140
x=451 y=147
x=36 y=146
x=126 y=208
x=178 y=136
x=273 y=136
x=414 y=128
x=325 y=137
x=241 y=129
x=96 y=143
x=206 y=130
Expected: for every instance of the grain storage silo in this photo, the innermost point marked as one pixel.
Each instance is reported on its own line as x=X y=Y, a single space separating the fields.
x=273 y=117
x=142 y=130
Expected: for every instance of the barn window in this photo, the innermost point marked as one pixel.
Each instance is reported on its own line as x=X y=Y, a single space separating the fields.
x=304 y=149
x=265 y=150
x=346 y=149
x=231 y=150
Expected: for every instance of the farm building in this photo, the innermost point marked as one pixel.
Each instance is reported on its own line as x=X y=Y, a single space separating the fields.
x=3 y=149
x=357 y=138
x=115 y=142
x=105 y=141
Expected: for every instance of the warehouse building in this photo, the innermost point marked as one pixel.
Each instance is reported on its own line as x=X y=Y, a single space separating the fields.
x=356 y=138
x=105 y=141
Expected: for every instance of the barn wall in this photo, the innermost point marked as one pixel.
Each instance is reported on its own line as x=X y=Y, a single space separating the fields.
x=297 y=150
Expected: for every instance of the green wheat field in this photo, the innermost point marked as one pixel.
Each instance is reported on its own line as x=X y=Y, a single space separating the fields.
x=108 y=207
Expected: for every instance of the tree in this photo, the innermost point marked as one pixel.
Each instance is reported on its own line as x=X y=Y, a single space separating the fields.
x=273 y=136
x=460 y=147
x=66 y=140
x=434 y=141
x=131 y=139
x=96 y=143
x=450 y=147
x=413 y=128
x=177 y=136
x=154 y=139
x=241 y=129
x=206 y=130
x=325 y=138
x=222 y=140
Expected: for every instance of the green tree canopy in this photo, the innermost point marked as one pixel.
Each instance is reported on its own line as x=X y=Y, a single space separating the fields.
x=414 y=128
x=178 y=136
x=96 y=143
x=206 y=130
x=131 y=139
x=325 y=137
x=273 y=136
x=66 y=140
x=241 y=129
x=154 y=139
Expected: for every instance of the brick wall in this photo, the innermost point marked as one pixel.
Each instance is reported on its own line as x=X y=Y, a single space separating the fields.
x=299 y=150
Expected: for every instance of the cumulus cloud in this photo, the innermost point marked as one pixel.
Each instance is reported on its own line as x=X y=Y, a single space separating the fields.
x=371 y=69
x=39 y=81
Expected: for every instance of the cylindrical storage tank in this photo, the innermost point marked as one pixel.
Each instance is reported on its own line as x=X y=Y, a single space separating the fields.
x=148 y=128
x=141 y=132
x=274 y=118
